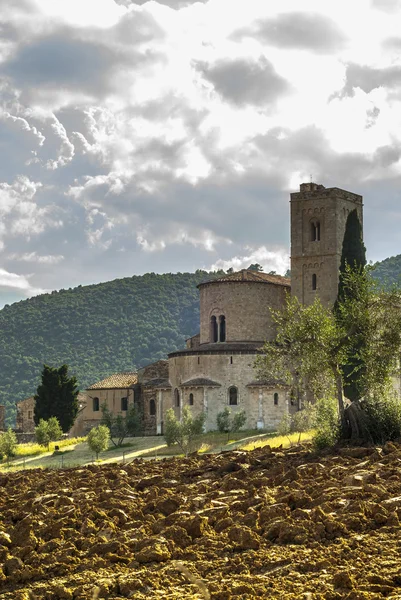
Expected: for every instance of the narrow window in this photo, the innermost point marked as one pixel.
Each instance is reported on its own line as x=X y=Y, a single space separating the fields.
x=222 y=328
x=231 y=360
x=314 y=281
x=213 y=330
x=124 y=403
x=29 y=414
x=198 y=360
x=152 y=407
x=95 y=404
x=176 y=397
x=276 y=399
x=233 y=396
x=191 y=399
x=315 y=231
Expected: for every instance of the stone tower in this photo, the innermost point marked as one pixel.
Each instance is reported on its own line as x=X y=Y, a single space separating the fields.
x=318 y=218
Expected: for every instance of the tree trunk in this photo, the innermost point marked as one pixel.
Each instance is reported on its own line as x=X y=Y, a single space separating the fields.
x=340 y=397
x=357 y=423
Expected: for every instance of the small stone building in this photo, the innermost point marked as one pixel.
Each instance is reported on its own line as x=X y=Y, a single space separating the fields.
x=116 y=392
x=25 y=423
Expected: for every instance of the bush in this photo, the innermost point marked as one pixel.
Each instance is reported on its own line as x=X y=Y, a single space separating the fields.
x=383 y=416
x=327 y=424
x=8 y=443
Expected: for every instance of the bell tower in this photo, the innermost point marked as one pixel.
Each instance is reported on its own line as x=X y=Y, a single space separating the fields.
x=318 y=218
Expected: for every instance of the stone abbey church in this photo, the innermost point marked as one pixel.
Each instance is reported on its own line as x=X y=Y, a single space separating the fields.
x=216 y=369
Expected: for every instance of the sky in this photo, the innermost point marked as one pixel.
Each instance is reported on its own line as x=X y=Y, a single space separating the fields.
x=162 y=136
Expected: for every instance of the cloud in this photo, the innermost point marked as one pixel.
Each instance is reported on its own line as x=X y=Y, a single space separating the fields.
x=245 y=82
x=175 y=4
x=33 y=257
x=12 y=281
x=57 y=60
x=386 y=5
x=297 y=30
x=271 y=260
x=369 y=78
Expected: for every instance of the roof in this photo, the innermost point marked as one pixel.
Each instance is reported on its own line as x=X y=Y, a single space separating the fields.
x=221 y=348
x=272 y=383
x=245 y=275
x=199 y=382
x=116 y=381
x=158 y=382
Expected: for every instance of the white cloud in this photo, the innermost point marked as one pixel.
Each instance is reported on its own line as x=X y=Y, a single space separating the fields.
x=175 y=130
x=33 y=257
x=271 y=260
x=12 y=281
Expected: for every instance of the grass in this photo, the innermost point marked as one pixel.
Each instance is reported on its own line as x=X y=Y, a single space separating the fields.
x=34 y=449
x=75 y=452
x=275 y=441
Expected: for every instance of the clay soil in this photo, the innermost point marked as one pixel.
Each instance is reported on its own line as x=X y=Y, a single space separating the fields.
x=261 y=524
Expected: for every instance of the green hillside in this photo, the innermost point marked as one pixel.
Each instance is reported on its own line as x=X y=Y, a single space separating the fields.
x=97 y=330
x=388 y=271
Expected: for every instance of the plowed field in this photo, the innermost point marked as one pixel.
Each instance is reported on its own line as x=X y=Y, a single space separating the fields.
x=261 y=524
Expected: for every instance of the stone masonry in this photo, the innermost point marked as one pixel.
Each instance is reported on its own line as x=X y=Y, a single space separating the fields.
x=318 y=218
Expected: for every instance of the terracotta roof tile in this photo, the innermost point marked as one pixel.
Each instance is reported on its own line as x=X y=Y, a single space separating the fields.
x=116 y=381
x=251 y=276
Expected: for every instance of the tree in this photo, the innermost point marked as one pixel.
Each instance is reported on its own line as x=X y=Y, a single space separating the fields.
x=312 y=345
x=255 y=267
x=57 y=396
x=230 y=423
x=48 y=431
x=119 y=426
x=98 y=439
x=8 y=443
x=353 y=258
x=184 y=432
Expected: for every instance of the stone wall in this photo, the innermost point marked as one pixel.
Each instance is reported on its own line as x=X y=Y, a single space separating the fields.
x=330 y=208
x=227 y=370
x=246 y=307
x=111 y=398
x=25 y=410
x=156 y=370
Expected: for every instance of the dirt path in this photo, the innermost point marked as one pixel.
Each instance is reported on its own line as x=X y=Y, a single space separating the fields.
x=263 y=524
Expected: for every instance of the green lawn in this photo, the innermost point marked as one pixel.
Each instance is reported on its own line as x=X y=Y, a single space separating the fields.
x=77 y=453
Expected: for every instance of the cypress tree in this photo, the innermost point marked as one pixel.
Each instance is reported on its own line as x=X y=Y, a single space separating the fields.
x=353 y=258
x=57 y=396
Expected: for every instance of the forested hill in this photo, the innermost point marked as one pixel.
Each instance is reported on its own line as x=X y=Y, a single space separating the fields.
x=97 y=330
x=388 y=271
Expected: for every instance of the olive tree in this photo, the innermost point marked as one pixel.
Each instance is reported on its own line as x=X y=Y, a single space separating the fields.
x=313 y=344
x=184 y=432
x=98 y=439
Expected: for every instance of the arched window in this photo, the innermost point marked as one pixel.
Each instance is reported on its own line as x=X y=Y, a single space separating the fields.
x=314 y=281
x=124 y=403
x=176 y=397
x=191 y=400
x=315 y=231
x=152 y=407
x=233 y=396
x=276 y=399
x=213 y=330
x=222 y=328
x=95 y=402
